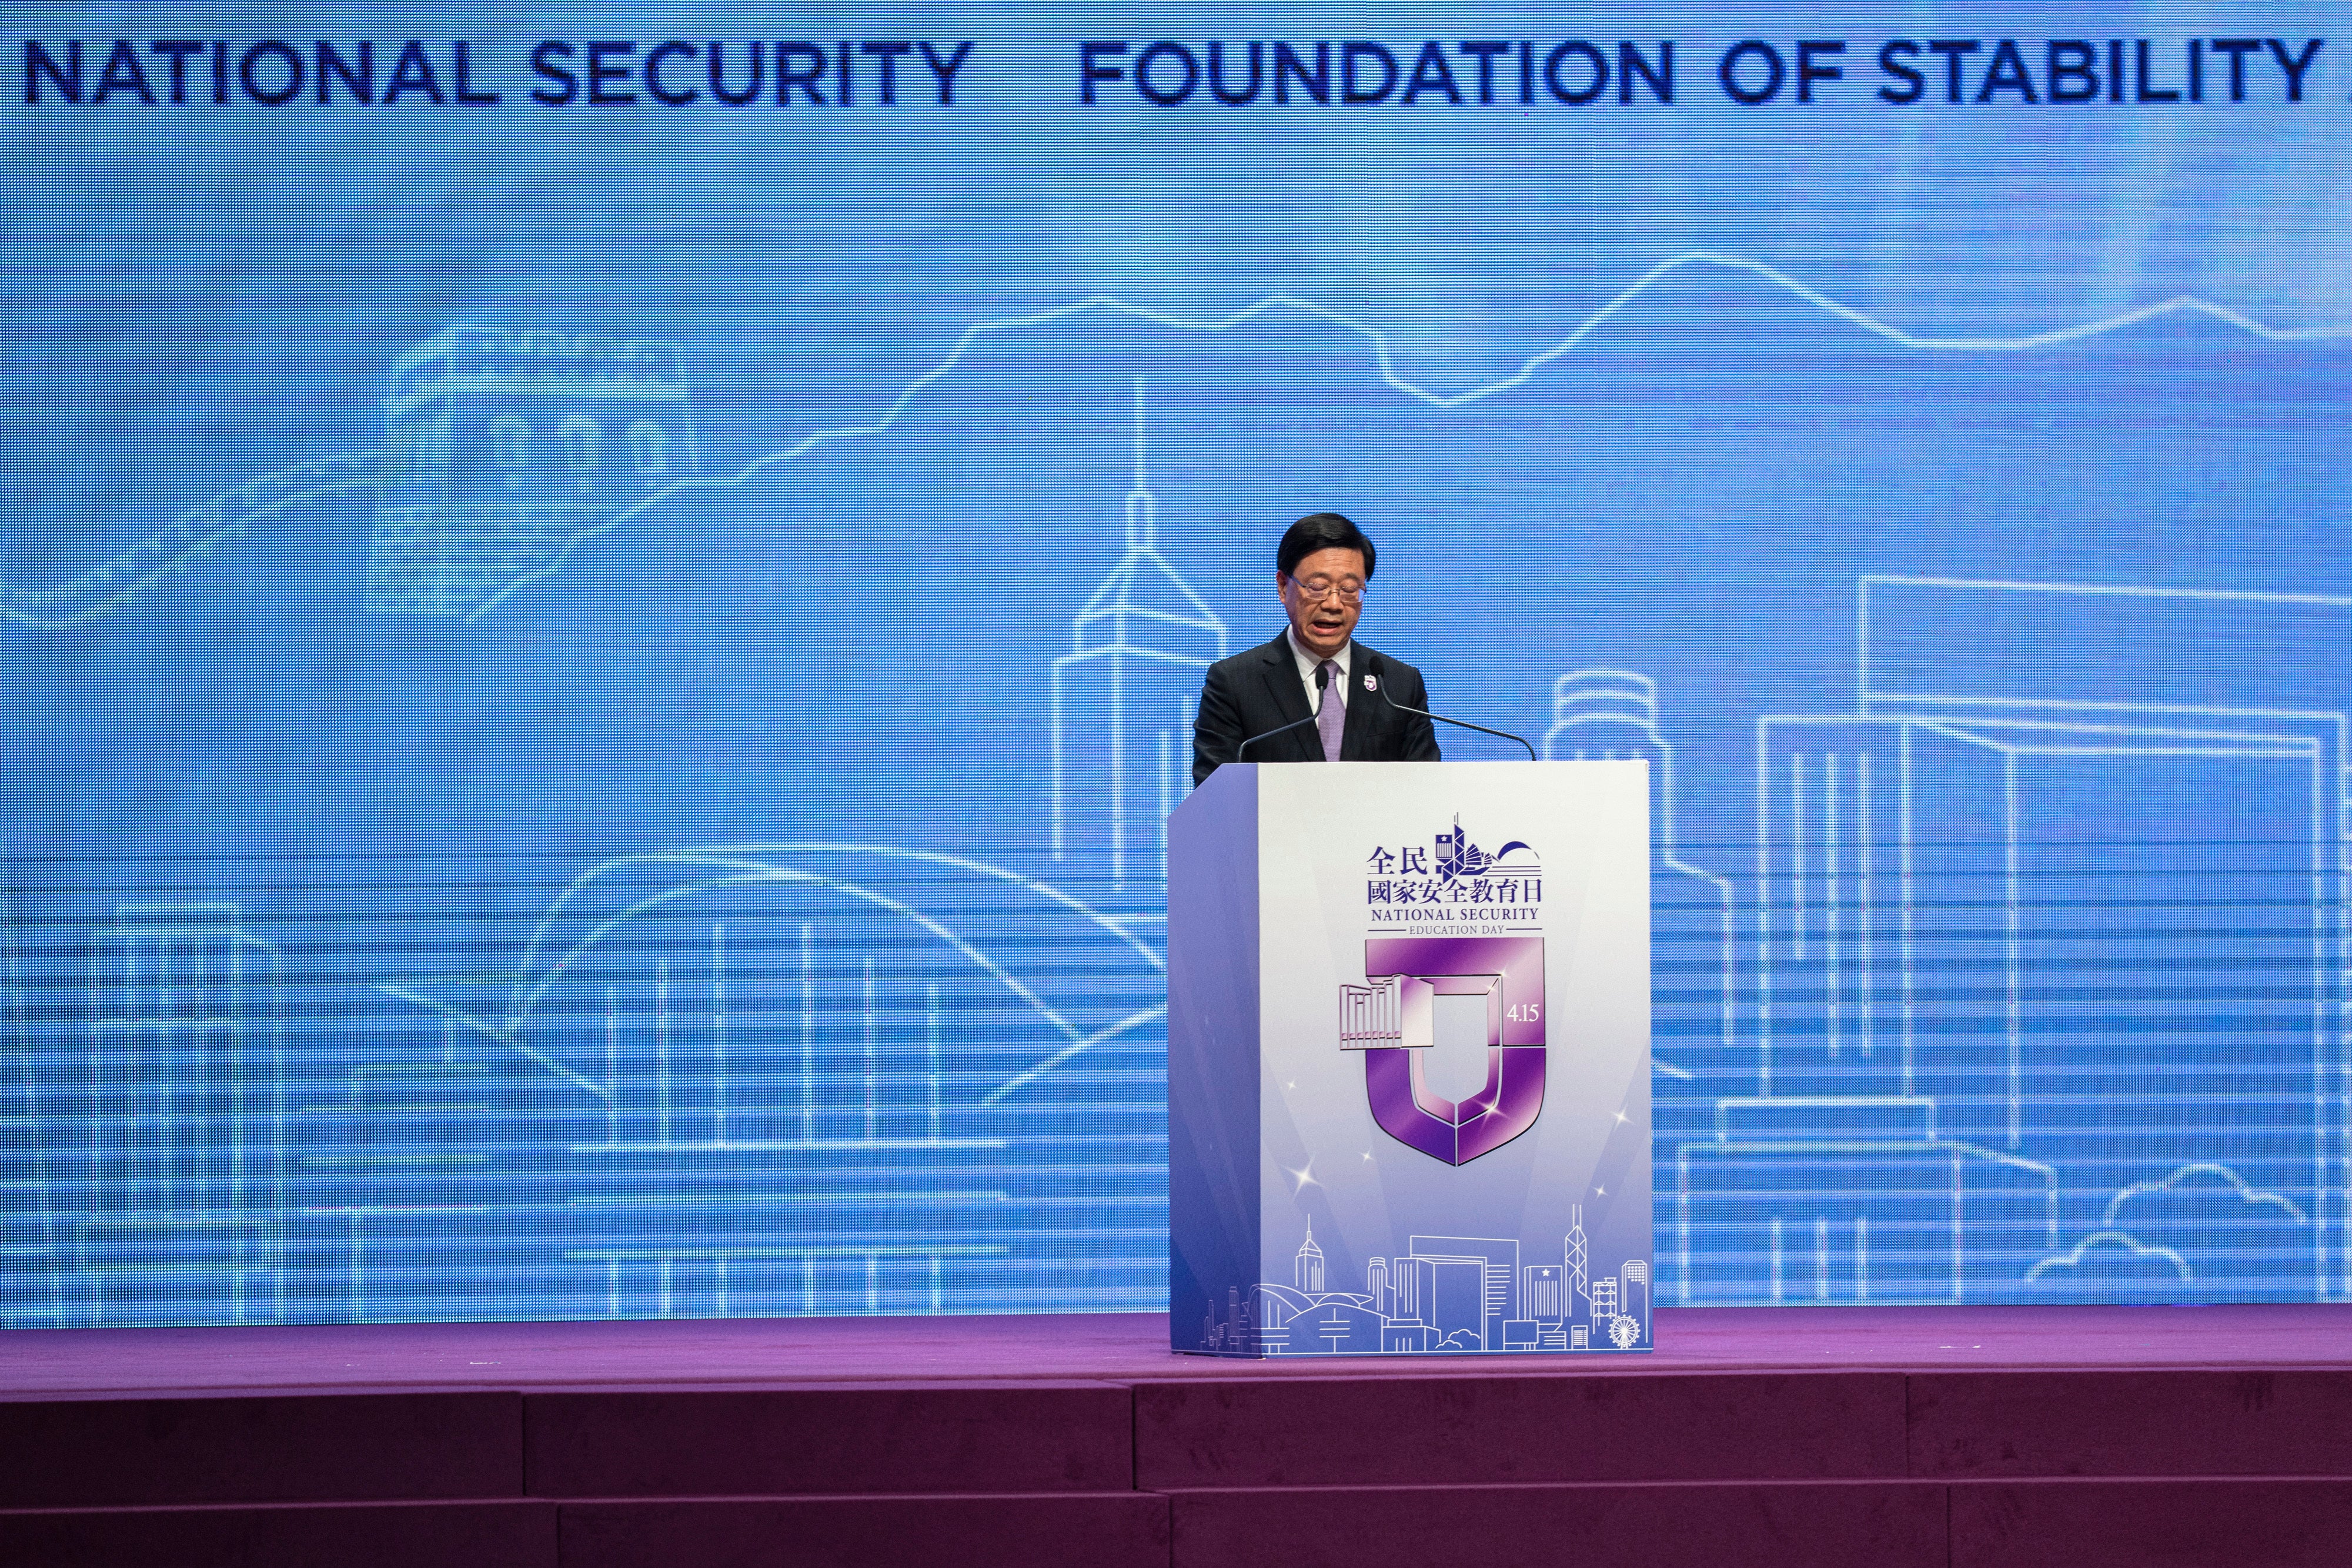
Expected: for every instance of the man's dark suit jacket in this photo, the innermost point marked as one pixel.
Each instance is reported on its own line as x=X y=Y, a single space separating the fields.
x=1259 y=690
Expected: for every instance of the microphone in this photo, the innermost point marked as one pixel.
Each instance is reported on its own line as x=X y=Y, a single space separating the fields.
x=1322 y=679
x=1464 y=723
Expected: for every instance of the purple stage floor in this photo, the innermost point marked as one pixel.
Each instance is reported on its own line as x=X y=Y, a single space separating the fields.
x=1822 y=1438
x=1119 y=1348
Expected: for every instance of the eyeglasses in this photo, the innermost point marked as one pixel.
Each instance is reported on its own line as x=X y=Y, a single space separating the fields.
x=1318 y=589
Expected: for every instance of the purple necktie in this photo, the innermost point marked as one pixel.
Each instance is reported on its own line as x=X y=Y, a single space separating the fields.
x=1332 y=716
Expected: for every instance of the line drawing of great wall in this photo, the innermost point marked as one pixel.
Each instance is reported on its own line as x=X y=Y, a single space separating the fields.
x=192 y=537
x=541 y=488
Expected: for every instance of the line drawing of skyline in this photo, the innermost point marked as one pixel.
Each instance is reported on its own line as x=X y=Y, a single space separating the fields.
x=860 y=1083
x=13 y=598
x=2279 y=705
x=877 y=1091
x=1822 y=907
x=556 y=949
x=1469 y=1294
x=2007 y=728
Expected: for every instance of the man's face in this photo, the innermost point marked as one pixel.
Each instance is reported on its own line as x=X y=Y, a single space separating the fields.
x=1323 y=595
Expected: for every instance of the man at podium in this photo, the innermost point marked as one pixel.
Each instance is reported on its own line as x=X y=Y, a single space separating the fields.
x=1313 y=694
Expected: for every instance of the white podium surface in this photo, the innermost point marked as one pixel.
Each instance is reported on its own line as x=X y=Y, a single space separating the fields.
x=1408 y=1059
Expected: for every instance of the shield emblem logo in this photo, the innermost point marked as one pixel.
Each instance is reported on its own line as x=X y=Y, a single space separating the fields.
x=1394 y=1022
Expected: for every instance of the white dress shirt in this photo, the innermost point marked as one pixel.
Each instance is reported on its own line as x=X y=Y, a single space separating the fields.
x=1308 y=663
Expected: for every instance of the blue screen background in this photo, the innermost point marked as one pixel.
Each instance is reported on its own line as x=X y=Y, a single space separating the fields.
x=590 y=692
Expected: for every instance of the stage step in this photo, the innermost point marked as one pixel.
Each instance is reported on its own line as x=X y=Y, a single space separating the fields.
x=1211 y=1464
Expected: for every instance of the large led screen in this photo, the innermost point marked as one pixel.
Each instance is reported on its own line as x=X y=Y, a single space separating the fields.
x=600 y=609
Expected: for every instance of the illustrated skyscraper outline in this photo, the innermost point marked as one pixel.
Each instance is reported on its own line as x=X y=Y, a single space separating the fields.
x=1922 y=719
x=30 y=1267
x=1603 y=713
x=187 y=1119
x=2285 y=696
x=1136 y=648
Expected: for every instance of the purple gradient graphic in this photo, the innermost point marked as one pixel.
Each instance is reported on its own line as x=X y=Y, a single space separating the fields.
x=1508 y=971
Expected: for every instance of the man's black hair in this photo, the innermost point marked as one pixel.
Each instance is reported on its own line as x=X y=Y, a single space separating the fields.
x=1322 y=530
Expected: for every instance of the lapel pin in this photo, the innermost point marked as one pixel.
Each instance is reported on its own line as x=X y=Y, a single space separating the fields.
x=1371 y=683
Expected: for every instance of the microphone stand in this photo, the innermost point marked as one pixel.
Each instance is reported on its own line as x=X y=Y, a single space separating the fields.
x=1463 y=723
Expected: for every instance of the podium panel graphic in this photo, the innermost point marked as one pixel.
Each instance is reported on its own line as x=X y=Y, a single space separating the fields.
x=1409 y=1060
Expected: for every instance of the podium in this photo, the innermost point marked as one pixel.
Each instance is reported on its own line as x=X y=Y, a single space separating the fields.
x=1409 y=1060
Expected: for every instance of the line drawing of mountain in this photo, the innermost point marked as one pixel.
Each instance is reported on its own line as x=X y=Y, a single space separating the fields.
x=200 y=531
